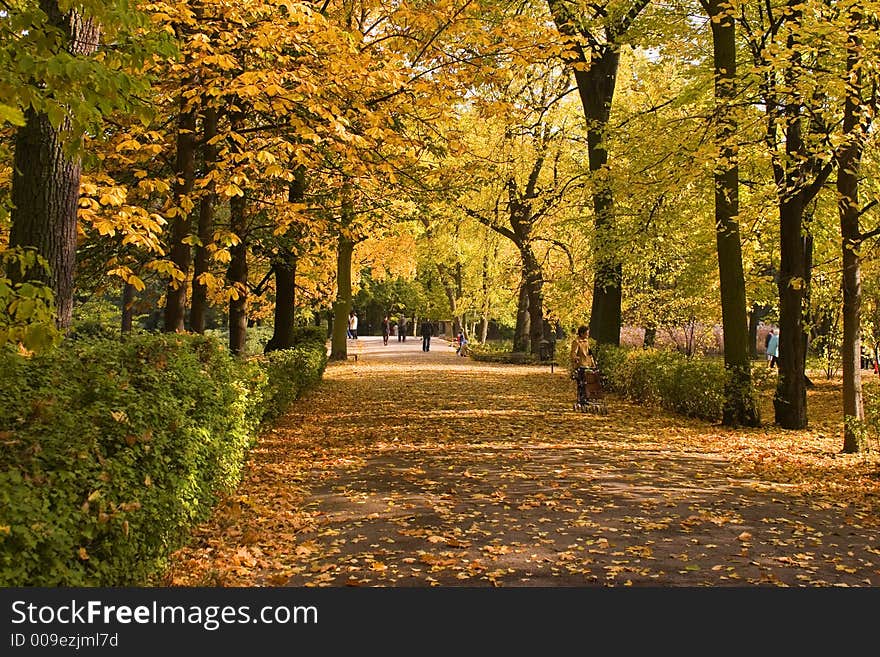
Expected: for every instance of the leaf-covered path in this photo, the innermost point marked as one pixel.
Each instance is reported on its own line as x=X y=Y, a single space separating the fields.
x=414 y=469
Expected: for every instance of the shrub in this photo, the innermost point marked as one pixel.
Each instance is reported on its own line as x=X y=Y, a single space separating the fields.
x=113 y=450
x=690 y=386
x=305 y=334
x=289 y=372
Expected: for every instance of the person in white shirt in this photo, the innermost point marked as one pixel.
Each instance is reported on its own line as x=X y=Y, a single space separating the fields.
x=353 y=325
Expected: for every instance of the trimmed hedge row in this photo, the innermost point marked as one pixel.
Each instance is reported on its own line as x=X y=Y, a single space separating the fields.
x=111 y=451
x=692 y=387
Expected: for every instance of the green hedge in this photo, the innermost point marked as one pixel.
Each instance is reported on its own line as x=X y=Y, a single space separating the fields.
x=111 y=451
x=692 y=387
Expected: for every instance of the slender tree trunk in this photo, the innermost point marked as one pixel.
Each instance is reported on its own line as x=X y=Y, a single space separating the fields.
x=237 y=276
x=596 y=88
x=739 y=404
x=521 y=332
x=199 y=305
x=342 y=305
x=848 y=167
x=127 y=307
x=46 y=178
x=180 y=252
x=451 y=282
x=755 y=316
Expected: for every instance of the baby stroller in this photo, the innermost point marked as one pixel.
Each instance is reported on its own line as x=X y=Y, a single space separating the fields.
x=590 y=391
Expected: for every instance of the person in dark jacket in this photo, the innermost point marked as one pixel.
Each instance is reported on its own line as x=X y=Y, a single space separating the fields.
x=386 y=329
x=427 y=332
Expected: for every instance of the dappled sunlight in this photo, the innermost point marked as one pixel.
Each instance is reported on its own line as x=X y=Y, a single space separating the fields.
x=435 y=470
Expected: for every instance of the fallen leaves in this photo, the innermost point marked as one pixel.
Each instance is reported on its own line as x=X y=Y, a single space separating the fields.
x=502 y=485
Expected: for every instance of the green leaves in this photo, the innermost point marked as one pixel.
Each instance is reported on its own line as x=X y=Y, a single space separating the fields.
x=27 y=309
x=112 y=450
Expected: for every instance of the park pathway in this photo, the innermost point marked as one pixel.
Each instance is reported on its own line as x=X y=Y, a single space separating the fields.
x=407 y=468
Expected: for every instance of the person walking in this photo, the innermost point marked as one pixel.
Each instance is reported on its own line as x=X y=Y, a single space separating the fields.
x=386 y=330
x=401 y=329
x=581 y=356
x=353 y=325
x=427 y=332
x=461 y=342
x=773 y=349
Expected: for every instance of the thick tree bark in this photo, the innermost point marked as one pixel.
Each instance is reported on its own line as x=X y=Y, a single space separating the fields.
x=739 y=404
x=342 y=305
x=848 y=166
x=127 y=307
x=521 y=331
x=534 y=280
x=46 y=178
x=790 y=401
x=180 y=252
x=284 y=268
x=596 y=88
x=285 y=300
x=199 y=305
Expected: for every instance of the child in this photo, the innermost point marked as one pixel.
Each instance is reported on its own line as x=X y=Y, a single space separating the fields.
x=461 y=350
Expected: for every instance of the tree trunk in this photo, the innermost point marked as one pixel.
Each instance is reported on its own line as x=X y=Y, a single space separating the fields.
x=596 y=88
x=755 y=316
x=284 y=268
x=127 y=307
x=848 y=166
x=342 y=305
x=534 y=281
x=790 y=401
x=180 y=252
x=739 y=404
x=521 y=332
x=46 y=178
x=237 y=276
x=650 y=337
x=199 y=305
x=285 y=298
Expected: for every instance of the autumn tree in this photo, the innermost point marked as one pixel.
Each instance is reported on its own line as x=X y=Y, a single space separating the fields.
x=739 y=405
x=594 y=34
x=61 y=82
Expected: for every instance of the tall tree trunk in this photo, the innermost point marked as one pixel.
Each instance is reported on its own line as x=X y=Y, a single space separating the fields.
x=848 y=166
x=237 y=276
x=199 y=305
x=180 y=252
x=451 y=282
x=284 y=269
x=46 y=178
x=790 y=400
x=127 y=307
x=484 y=316
x=739 y=404
x=342 y=305
x=596 y=88
x=521 y=331
x=534 y=281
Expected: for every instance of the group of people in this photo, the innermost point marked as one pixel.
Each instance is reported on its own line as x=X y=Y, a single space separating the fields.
x=427 y=330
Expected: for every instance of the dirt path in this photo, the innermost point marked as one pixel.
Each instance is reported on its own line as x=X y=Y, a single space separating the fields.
x=415 y=469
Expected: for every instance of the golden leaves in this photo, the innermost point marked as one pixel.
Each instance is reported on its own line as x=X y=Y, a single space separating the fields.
x=551 y=497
